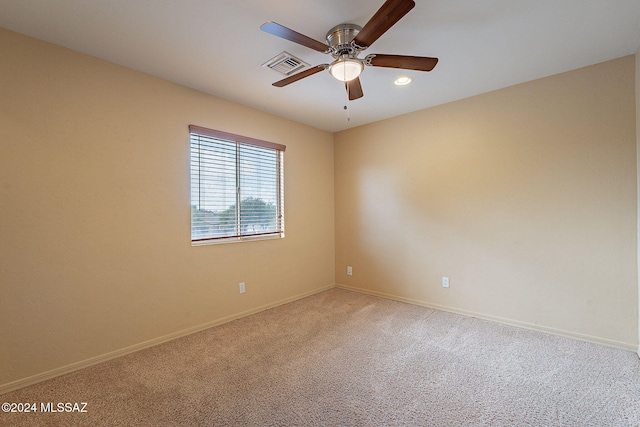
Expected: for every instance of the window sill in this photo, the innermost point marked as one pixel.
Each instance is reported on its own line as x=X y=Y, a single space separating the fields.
x=236 y=240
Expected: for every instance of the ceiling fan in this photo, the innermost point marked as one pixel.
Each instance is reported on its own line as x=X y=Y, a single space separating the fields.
x=346 y=41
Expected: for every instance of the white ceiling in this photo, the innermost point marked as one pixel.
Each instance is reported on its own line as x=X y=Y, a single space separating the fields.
x=215 y=46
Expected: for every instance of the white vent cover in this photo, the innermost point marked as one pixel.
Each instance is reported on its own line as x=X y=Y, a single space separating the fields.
x=285 y=63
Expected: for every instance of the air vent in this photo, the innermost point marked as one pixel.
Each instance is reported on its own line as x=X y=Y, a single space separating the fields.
x=285 y=63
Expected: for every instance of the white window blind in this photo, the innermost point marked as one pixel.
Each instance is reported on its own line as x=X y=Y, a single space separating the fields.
x=236 y=187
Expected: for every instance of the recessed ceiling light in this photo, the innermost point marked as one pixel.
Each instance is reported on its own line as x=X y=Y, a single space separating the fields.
x=402 y=81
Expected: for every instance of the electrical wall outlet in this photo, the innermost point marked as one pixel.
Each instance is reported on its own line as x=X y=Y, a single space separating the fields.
x=349 y=271
x=445 y=282
x=241 y=287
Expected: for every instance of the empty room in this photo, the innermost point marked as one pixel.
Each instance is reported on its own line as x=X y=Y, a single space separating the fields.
x=332 y=213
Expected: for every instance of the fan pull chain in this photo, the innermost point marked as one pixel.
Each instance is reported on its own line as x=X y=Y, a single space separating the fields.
x=347 y=103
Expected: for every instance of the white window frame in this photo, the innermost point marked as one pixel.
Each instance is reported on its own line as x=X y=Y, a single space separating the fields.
x=258 y=153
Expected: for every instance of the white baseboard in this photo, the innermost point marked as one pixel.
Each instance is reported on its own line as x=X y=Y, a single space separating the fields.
x=63 y=370
x=582 y=337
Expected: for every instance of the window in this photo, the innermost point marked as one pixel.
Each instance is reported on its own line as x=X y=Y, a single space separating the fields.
x=236 y=187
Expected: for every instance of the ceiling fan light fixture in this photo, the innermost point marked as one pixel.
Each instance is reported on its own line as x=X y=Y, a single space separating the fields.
x=344 y=42
x=346 y=69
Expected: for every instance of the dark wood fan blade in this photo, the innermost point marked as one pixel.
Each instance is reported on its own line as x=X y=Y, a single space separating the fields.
x=300 y=75
x=390 y=13
x=420 y=63
x=354 y=89
x=288 y=34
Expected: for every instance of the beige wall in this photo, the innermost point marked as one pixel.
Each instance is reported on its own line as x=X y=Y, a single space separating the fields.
x=95 y=253
x=525 y=197
x=638 y=168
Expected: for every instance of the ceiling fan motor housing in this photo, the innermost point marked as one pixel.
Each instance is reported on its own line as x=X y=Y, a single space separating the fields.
x=340 y=38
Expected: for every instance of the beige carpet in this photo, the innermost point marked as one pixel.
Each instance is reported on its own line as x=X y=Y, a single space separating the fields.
x=341 y=358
